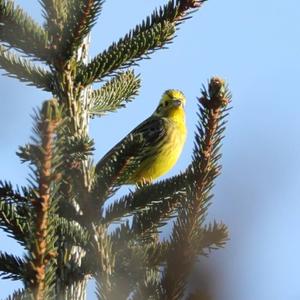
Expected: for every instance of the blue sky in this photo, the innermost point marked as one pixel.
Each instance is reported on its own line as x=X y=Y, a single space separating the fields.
x=255 y=46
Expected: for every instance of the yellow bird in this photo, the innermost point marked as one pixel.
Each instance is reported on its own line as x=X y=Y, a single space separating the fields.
x=160 y=137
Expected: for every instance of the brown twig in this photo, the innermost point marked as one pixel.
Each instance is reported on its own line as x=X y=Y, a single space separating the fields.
x=47 y=127
x=214 y=105
x=201 y=174
x=185 y=6
x=83 y=18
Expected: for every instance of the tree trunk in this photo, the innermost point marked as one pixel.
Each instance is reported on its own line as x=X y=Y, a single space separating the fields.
x=77 y=290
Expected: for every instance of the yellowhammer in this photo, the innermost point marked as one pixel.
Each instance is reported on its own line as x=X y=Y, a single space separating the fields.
x=161 y=138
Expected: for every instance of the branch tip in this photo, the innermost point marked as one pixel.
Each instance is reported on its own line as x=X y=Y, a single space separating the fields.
x=217 y=95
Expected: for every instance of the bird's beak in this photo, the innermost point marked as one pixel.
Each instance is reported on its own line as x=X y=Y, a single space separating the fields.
x=177 y=103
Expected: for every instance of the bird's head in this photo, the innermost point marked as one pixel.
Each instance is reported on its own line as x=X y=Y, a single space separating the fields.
x=172 y=103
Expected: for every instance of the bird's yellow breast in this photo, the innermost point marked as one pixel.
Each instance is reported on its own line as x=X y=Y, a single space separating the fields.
x=169 y=151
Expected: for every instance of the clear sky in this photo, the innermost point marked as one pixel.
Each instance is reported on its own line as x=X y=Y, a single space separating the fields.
x=255 y=46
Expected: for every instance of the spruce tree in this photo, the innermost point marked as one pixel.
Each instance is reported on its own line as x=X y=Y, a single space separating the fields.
x=60 y=219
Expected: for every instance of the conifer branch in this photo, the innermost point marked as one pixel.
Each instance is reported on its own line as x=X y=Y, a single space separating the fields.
x=19 y=30
x=153 y=257
x=25 y=70
x=152 y=253
x=52 y=9
x=114 y=93
x=135 y=259
x=105 y=262
x=121 y=234
x=29 y=153
x=155 y=32
x=20 y=294
x=78 y=148
x=55 y=13
x=81 y=18
x=123 y=53
x=147 y=202
x=187 y=239
x=15 y=213
x=13 y=267
x=140 y=259
x=73 y=272
x=7 y=193
x=73 y=232
x=213 y=236
x=14 y=223
x=149 y=287
x=43 y=250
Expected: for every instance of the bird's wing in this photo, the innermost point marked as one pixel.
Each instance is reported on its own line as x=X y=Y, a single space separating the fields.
x=136 y=145
x=151 y=131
